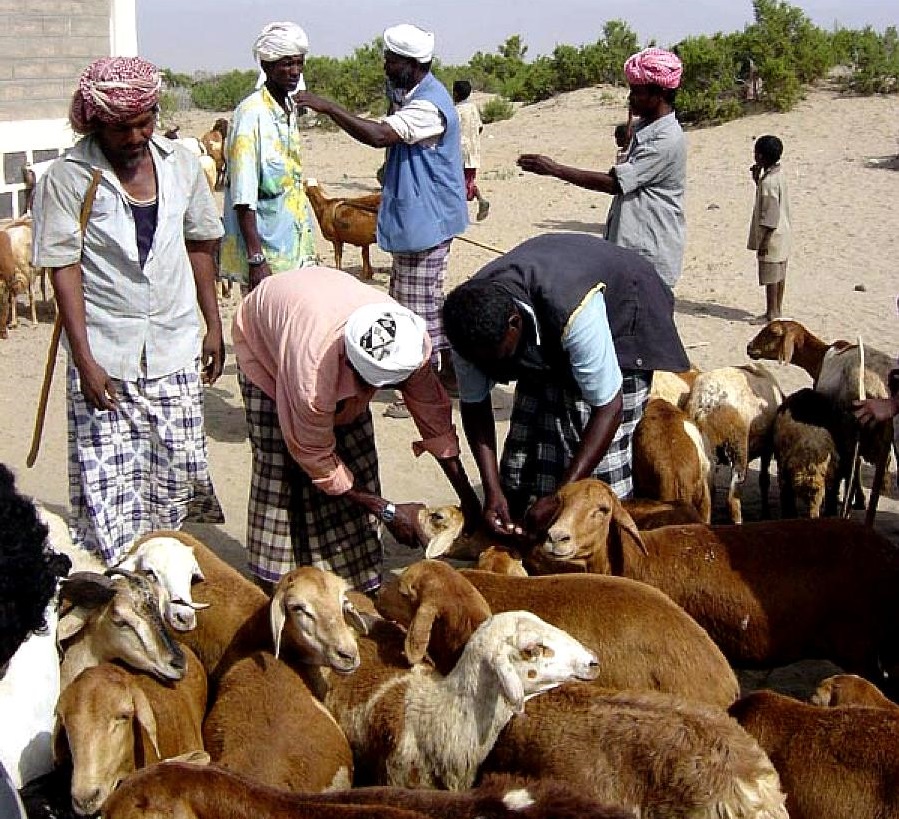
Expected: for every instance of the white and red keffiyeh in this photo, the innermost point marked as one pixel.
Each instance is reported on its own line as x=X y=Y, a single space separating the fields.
x=114 y=89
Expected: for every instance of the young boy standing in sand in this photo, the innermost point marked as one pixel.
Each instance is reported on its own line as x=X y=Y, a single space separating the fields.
x=770 y=231
x=470 y=126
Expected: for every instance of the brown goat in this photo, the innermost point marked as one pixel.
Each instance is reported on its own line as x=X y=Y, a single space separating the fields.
x=175 y=789
x=850 y=690
x=768 y=593
x=214 y=143
x=644 y=642
x=346 y=220
x=834 y=763
x=670 y=461
x=113 y=722
x=834 y=371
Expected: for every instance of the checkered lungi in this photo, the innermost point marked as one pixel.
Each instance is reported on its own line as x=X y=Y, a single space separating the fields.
x=290 y=522
x=416 y=282
x=141 y=467
x=546 y=429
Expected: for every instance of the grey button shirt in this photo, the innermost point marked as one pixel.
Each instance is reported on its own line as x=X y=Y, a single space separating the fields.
x=648 y=216
x=140 y=322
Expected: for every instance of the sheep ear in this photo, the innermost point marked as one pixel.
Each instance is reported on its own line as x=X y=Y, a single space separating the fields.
x=623 y=537
x=60 y=743
x=87 y=589
x=71 y=623
x=192 y=758
x=146 y=718
x=277 y=616
x=509 y=682
x=197 y=574
x=355 y=618
x=786 y=349
x=419 y=634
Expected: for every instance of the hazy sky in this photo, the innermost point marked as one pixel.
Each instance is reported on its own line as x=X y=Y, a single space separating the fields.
x=216 y=35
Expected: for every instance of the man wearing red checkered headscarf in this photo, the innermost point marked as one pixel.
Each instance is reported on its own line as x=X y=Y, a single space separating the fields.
x=647 y=213
x=127 y=288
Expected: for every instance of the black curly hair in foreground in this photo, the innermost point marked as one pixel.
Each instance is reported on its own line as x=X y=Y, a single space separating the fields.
x=476 y=316
x=29 y=570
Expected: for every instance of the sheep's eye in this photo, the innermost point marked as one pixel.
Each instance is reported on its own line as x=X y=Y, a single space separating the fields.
x=532 y=652
x=122 y=718
x=300 y=608
x=151 y=575
x=436 y=517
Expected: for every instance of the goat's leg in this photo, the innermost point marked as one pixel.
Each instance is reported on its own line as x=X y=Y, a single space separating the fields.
x=787 y=495
x=765 y=482
x=739 y=463
x=13 y=308
x=367 y=273
x=338 y=254
x=31 y=305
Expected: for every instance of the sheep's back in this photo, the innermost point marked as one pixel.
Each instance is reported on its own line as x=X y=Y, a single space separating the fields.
x=667 y=756
x=643 y=640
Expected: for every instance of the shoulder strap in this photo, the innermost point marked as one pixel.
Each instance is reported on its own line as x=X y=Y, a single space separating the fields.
x=88 y=203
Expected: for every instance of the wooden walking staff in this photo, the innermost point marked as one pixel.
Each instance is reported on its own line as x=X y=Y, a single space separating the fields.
x=52 y=350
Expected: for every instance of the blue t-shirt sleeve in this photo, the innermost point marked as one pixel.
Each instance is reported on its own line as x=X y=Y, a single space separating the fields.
x=474 y=386
x=589 y=345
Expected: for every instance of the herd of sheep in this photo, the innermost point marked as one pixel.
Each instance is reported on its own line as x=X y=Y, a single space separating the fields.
x=591 y=675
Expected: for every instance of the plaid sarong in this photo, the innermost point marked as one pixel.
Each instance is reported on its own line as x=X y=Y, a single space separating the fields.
x=546 y=429
x=140 y=468
x=416 y=282
x=290 y=522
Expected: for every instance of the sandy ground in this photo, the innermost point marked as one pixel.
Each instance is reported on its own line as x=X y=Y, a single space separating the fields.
x=840 y=161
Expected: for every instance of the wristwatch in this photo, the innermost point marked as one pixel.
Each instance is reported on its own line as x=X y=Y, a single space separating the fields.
x=256 y=259
x=388 y=513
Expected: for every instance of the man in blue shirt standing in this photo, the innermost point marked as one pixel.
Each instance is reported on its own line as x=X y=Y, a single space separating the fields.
x=423 y=202
x=581 y=325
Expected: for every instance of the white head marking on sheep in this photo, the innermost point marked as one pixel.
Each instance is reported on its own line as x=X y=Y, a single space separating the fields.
x=529 y=655
x=172 y=565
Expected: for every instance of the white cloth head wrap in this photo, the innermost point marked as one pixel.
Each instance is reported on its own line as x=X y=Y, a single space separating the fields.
x=410 y=41
x=279 y=40
x=385 y=343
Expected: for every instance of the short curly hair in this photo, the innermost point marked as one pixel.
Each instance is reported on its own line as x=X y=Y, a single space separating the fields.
x=770 y=149
x=29 y=569
x=476 y=316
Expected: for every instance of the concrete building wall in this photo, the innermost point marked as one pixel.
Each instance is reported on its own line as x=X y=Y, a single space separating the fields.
x=44 y=46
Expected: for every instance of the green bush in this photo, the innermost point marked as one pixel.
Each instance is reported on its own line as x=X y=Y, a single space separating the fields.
x=497 y=109
x=225 y=91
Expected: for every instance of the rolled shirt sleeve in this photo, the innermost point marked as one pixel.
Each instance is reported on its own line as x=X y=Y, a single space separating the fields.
x=431 y=410
x=417 y=121
x=646 y=164
x=588 y=342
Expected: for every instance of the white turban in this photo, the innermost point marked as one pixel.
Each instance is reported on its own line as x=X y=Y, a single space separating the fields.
x=279 y=40
x=410 y=41
x=385 y=343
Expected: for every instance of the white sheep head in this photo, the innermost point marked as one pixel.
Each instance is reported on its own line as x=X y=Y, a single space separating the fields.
x=528 y=655
x=171 y=564
x=315 y=603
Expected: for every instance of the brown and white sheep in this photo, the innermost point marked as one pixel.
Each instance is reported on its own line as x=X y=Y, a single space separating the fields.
x=806 y=455
x=265 y=723
x=17 y=275
x=850 y=690
x=114 y=617
x=834 y=763
x=174 y=789
x=112 y=721
x=768 y=593
x=734 y=409
x=346 y=220
x=834 y=369
x=673 y=387
x=417 y=728
x=643 y=641
x=234 y=620
x=670 y=460
x=656 y=754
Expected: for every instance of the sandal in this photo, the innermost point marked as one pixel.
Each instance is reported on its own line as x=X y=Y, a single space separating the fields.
x=397 y=409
